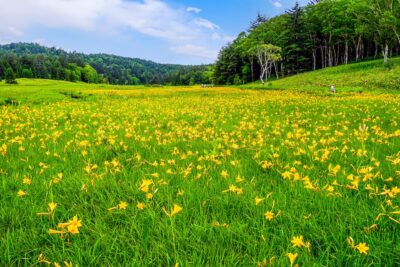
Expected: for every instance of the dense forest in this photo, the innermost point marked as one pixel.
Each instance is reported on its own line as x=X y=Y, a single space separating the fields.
x=26 y=60
x=322 y=34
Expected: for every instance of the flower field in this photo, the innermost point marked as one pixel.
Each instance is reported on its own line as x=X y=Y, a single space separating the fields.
x=201 y=177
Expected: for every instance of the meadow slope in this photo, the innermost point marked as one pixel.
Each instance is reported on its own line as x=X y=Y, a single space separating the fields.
x=365 y=76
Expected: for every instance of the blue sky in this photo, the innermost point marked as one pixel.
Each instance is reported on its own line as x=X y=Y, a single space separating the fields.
x=165 y=31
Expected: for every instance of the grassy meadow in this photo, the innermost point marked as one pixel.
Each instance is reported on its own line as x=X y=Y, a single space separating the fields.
x=96 y=175
x=370 y=76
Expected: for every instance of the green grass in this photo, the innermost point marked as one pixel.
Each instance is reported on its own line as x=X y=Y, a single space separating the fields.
x=195 y=144
x=364 y=76
x=39 y=91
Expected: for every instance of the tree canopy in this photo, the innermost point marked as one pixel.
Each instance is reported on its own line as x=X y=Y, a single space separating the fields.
x=322 y=34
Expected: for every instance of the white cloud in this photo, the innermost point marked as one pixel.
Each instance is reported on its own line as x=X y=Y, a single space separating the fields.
x=219 y=37
x=206 y=24
x=178 y=26
x=195 y=50
x=9 y=34
x=193 y=9
x=276 y=3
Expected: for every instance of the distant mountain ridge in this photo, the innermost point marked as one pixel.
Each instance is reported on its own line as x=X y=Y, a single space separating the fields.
x=111 y=69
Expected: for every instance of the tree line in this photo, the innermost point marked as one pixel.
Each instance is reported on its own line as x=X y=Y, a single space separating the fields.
x=26 y=60
x=324 y=33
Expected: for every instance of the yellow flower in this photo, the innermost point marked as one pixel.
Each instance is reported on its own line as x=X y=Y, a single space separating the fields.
x=26 y=181
x=177 y=209
x=21 y=193
x=73 y=229
x=140 y=206
x=239 y=179
x=52 y=206
x=234 y=189
x=224 y=174
x=75 y=222
x=56 y=232
x=42 y=259
x=144 y=187
x=292 y=257
x=259 y=200
x=269 y=215
x=72 y=226
x=330 y=189
x=362 y=248
x=63 y=225
x=149 y=196
x=298 y=241
x=286 y=175
x=122 y=205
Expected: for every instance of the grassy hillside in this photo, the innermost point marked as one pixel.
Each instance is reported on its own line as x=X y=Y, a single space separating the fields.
x=370 y=75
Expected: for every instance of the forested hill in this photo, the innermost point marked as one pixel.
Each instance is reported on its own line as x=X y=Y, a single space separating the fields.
x=28 y=60
x=324 y=33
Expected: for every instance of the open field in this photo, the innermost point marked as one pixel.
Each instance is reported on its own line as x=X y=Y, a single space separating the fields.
x=193 y=176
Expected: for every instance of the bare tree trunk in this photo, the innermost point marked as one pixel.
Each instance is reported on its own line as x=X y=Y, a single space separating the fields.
x=385 y=53
x=396 y=33
x=358 y=46
x=330 y=56
x=252 y=69
x=262 y=75
x=326 y=56
x=333 y=55
x=314 y=55
x=336 y=55
x=322 y=57
x=276 y=70
x=346 y=53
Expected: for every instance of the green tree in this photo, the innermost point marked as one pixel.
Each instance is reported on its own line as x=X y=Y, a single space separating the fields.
x=385 y=23
x=268 y=55
x=27 y=73
x=10 y=76
x=89 y=74
x=135 y=81
x=237 y=80
x=192 y=81
x=296 y=47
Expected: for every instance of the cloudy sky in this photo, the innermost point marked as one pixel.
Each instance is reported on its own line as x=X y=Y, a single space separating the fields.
x=166 y=31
